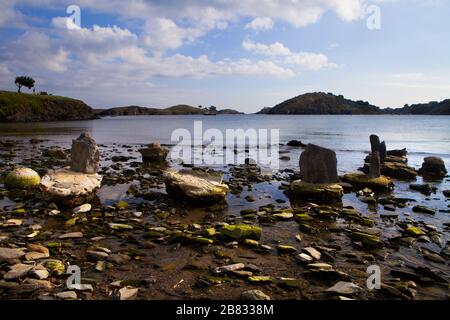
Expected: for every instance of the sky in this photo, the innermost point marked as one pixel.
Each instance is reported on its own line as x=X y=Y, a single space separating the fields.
x=240 y=54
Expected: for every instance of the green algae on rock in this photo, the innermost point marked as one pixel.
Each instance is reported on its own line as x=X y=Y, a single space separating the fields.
x=22 y=178
x=241 y=231
x=367 y=239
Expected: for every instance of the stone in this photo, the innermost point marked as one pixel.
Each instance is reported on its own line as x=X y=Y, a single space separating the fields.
x=320 y=266
x=40 y=274
x=22 y=178
x=433 y=167
x=382 y=151
x=305 y=258
x=120 y=226
x=241 y=231
x=55 y=153
x=197 y=187
x=38 y=248
x=70 y=188
x=343 y=287
x=254 y=295
x=17 y=271
x=375 y=165
x=54 y=266
x=296 y=143
x=81 y=287
x=31 y=256
x=71 y=235
x=424 y=188
x=8 y=254
x=312 y=252
x=118 y=258
x=85 y=155
x=229 y=268
x=397 y=170
x=414 y=231
x=318 y=165
x=322 y=193
x=128 y=293
x=360 y=180
x=285 y=248
x=423 y=209
x=446 y=193
x=367 y=239
x=67 y=295
x=154 y=153
x=374 y=143
x=39 y=284
x=96 y=255
x=83 y=208
x=397 y=153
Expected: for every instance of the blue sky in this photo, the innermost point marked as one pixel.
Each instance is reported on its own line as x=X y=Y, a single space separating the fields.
x=245 y=54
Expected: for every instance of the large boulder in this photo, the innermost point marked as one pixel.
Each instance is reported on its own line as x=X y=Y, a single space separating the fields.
x=85 y=155
x=394 y=169
x=433 y=167
x=154 y=153
x=361 y=181
x=377 y=146
x=320 y=193
x=22 y=178
x=318 y=165
x=70 y=188
x=195 y=186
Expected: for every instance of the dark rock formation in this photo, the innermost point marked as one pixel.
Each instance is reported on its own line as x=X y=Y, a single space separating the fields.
x=85 y=155
x=296 y=143
x=318 y=165
x=433 y=167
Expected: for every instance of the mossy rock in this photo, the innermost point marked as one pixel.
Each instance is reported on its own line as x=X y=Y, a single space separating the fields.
x=303 y=217
x=414 y=231
x=241 y=231
x=22 y=178
x=320 y=193
x=121 y=205
x=361 y=180
x=55 y=266
x=369 y=240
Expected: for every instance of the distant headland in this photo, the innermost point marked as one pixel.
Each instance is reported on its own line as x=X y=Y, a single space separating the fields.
x=23 y=107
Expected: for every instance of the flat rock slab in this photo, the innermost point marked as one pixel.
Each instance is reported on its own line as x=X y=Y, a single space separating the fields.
x=195 y=187
x=9 y=254
x=321 y=193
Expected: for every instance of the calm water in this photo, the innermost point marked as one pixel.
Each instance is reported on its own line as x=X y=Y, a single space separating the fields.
x=348 y=135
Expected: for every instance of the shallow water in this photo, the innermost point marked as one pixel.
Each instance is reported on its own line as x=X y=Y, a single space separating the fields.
x=348 y=135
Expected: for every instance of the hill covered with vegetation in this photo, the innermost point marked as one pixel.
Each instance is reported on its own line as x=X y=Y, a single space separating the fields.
x=23 y=107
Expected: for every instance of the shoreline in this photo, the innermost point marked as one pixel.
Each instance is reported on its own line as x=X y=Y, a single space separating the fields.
x=150 y=258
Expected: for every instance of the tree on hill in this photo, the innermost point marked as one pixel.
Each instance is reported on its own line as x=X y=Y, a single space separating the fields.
x=24 y=81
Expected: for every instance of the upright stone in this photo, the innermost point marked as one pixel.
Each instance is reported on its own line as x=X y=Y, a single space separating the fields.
x=85 y=155
x=318 y=165
x=382 y=151
x=375 y=165
x=374 y=143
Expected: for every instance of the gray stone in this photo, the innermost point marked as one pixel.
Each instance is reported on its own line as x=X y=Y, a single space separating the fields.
x=18 y=271
x=374 y=143
x=344 y=288
x=8 y=254
x=375 y=165
x=254 y=295
x=318 y=165
x=128 y=293
x=382 y=151
x=85 y=155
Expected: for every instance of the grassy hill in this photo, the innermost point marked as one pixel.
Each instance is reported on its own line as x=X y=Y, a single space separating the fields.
x=23 y=107
x=321 y=103
x=181 y=109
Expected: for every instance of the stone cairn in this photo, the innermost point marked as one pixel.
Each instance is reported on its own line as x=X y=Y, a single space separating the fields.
x=318 y=165
x=85 y=155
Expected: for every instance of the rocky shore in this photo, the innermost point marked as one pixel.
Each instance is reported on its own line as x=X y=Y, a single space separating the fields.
x=141 y=227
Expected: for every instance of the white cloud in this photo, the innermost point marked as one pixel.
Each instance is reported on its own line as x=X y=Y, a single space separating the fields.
x=306 y=60
x=274 y=49
x=260 y=24
x=417 y=80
